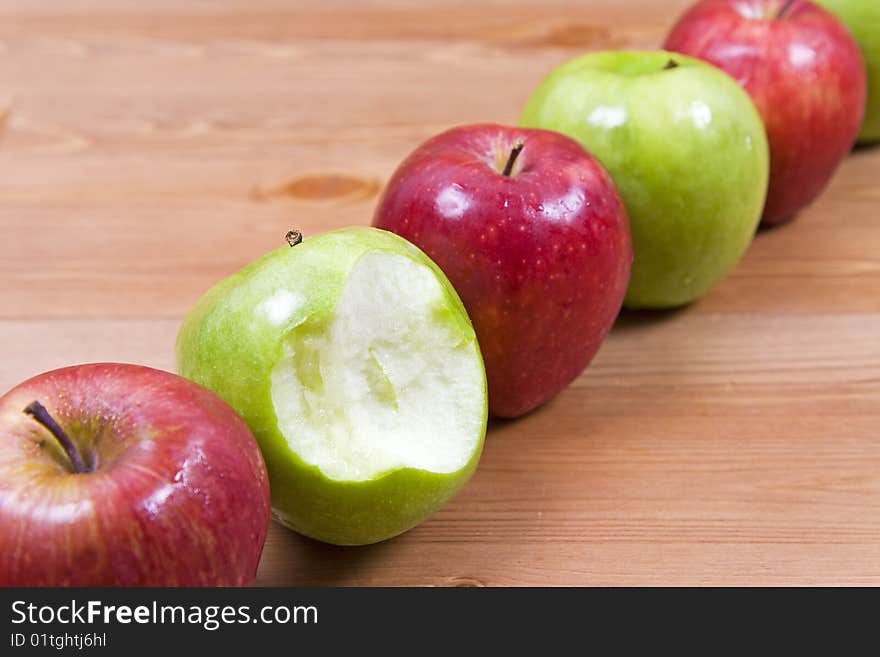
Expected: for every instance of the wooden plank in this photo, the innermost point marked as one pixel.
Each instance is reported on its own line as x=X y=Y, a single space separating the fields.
x=148 y=151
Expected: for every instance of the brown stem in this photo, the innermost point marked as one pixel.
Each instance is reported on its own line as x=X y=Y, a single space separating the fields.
x=670 y=64
x=514 y=153
x=784 y=9
x=293 y=237
x=37 y=411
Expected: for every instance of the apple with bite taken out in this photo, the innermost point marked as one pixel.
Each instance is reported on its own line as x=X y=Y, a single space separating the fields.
x=351 y=358
x=122 y=475
x=805 y=74
x=533 y=235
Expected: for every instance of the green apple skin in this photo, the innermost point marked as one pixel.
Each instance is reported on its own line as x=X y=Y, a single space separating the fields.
x=227 y=346
x=687 y=150
x=862 y=17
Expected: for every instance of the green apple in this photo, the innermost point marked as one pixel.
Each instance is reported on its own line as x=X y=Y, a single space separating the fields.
x=862 y=17
x=354 y=363
x=687 y=150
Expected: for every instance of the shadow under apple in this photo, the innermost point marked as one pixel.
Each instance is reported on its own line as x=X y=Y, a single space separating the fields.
x=865 y=147
x=290 y=559
x=630 y=319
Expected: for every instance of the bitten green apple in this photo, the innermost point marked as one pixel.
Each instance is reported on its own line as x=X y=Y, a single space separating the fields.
x=354 y=363
x=687 y=151
x=862 y=17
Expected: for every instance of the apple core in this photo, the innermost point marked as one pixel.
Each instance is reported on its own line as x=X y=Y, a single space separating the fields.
x=380 y=384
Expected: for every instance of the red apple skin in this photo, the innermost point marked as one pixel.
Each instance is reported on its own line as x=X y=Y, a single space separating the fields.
x=179 y=494
x=805 y=74
x=540 y=258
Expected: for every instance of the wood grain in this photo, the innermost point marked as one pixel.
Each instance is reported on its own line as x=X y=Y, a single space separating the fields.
x=149 y=149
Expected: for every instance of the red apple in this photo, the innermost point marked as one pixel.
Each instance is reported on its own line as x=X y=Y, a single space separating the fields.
x=531 y=232
x=805 y=74
x=125 y=475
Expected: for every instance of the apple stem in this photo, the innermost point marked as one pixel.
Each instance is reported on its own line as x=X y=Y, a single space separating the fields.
x=514 y=153
x=37 y=411
x=784 y=8
x=670 y=64
x=294 y=237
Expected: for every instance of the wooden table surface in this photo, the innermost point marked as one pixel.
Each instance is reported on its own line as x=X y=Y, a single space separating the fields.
x=149 y=149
